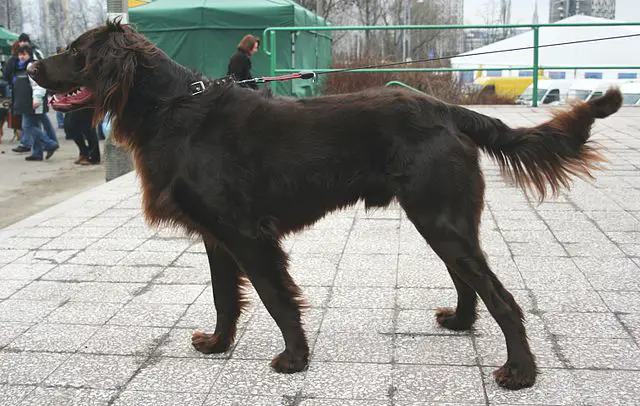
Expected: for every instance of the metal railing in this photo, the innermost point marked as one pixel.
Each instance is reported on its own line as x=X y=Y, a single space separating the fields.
x=270 y=47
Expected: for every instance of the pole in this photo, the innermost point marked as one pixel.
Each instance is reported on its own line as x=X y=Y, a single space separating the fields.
x=536 y=39
x=273 y=58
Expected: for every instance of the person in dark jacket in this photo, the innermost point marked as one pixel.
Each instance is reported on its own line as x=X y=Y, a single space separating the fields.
x=29 y=101
x=240 y=62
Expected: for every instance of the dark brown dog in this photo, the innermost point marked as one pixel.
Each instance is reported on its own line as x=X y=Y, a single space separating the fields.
x=243 y=170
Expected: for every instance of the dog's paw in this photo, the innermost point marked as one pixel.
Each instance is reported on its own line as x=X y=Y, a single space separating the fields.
x=446 y=317
x=288 y=363
x=209 y=343
x=513 y=377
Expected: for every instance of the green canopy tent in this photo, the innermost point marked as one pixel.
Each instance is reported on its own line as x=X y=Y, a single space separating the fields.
x=7 y=38
x=203 y=34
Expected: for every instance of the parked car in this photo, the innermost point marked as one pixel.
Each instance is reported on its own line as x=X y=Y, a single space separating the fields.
x=553 y=91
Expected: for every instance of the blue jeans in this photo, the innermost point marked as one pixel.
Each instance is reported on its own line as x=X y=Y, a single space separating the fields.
x=41 y=141
x=60 y=119
x=48 y=128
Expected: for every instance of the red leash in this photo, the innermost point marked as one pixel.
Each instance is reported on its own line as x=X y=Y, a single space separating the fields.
x=266 y=79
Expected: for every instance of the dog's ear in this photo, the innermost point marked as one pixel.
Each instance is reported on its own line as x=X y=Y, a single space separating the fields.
x=114 y=66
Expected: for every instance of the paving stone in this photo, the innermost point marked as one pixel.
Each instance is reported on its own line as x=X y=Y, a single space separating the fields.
x=139 y=398
x=66 y=243
x=358 y=320
x=26 y=368
x=136 y=258
x=10 y=330
x=8 y=288
x=69 y=396
x=424 y=298
x=9 y=255
x=155 y=245
x=47 y=291
x=348 y=381
x=26 y=310
x=83 y=313
x=178 y=375
x=344 y=402
x=23 y=271
x=353 y=347
x=116 y=244
x=610 y=273
x=45 y=257
x=595 y=353
x=607 y=387
x=311 y=320
x=52 y=337
x=106 y=292
x=95 y=371
x=248 y=377
x=585 y=325
x=569 y=301
x=313 y=270
x=422 y=272
x=125 y=340
x=12 y=395
x=546 y=273
x=426 y=383
x=347 y=296
x=623 y=302
x=421 y=322
x=443 y=350
x=169 y=294
x=148 y=314
x=175 y=275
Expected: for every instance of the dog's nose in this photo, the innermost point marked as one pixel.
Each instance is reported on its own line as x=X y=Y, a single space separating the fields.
x=33 y=68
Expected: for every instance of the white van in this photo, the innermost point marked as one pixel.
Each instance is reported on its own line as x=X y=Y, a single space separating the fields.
x=630 y=93
x=587 y=89
x=553 y=91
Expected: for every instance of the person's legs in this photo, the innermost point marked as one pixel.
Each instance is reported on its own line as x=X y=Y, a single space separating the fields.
x=41 y=142
x=94 y=145
x=26 y=138
x=48 y=127
x=74 y=130
x=60 y=119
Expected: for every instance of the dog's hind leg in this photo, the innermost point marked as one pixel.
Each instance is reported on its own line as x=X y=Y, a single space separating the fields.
x=228 y=283
x=464 y=315
x=447 y=214
x=459 y=248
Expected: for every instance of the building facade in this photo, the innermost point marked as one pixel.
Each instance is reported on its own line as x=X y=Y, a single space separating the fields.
x=561 y=9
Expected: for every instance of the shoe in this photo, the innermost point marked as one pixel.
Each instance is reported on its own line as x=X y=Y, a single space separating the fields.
x=79 y=160
x=51 y=151
x=21 y=148
x=33 y=158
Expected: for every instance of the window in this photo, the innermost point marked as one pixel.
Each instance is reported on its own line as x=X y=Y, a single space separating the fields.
x=525 y=73
x=557 y=75
x=494 y=73
x=593 y=75
x=467 y=76
x=624 y=75
x=552 y=96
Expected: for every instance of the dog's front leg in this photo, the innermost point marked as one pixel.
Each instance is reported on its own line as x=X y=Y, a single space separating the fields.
x=228 y=282
x=264 y=262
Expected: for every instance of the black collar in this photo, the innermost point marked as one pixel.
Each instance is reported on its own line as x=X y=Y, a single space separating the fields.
x=202 y=85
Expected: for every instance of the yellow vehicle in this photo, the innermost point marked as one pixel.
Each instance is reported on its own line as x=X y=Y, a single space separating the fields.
x=509 y=86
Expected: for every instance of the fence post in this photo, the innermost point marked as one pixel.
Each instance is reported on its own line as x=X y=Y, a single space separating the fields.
x=536 y=40
x=272 y=58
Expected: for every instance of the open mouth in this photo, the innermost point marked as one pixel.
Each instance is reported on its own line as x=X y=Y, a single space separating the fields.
x=76 y=99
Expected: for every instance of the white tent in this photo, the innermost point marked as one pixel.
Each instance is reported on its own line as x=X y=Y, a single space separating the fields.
x=616 y=52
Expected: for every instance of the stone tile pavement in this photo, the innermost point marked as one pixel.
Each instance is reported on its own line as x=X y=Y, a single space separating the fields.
x=97 y=308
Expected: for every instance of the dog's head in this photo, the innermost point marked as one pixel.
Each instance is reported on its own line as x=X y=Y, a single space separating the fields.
x=97 y=70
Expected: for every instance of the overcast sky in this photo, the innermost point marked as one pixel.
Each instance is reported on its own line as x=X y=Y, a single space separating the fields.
x=522 y=11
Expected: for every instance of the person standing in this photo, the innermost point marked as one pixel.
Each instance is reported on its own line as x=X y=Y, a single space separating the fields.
x=79 y=125
x=30 y=102
x=240 y=63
